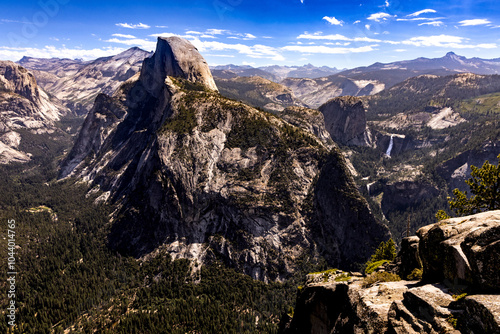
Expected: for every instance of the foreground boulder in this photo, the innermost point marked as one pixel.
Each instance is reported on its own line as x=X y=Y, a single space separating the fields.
x=463 y=250
x=459 y=258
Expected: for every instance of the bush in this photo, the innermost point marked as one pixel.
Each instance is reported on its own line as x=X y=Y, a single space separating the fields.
x=385 y=251
x=416 y=274
x=380 y=277
x=370 y=268
x=484 y=186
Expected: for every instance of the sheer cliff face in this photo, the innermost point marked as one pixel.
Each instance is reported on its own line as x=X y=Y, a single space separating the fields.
x=204 y=177
x=346 y=121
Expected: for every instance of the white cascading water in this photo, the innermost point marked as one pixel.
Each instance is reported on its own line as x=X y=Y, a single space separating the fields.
x=389 y=149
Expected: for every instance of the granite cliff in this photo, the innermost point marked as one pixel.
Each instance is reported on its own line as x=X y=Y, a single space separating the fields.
x=203 y=177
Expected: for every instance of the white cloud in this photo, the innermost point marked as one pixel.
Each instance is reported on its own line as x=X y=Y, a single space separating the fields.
x=161 y=27
x=432 y=23
x=474 y=22
x=254 y=51
x=216 y=31
x=142 y=43
x=400 y=50
x=336 y=37
x=446 y=41
x=133 y=26
x=387 y=4
x=420 y=12
x=422 y=19
x=333 y=21
x=356 y=22
x=367 y=26
x=328 y=50
x=124 y=36
x=15 y=54
x=379 y=17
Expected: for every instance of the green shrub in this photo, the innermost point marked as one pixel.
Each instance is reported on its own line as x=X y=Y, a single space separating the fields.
x=342 y=278
x=385 y=251
x=380 y=277
x=374 y=265
x=416 y=274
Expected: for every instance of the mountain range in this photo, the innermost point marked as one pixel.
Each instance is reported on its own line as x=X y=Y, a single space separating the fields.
x=149 y=182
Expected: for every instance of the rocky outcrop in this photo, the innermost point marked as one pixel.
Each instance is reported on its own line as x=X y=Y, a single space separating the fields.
x=309 y=120
x=204 y=177
x=457 y=255
x=23 y=105
x=464 y=250
x=345 y=120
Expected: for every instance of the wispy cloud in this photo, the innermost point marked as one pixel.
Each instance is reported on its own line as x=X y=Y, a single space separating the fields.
x=420 y=12
x=133 y=26
x=380 y=17
x=252 y=51
x=333 y=21
x=432 y=23
x=52 y=51
x=14 y=21
x=124 y=36
x=328 y=50
x=421 y=19
x=474 y=22
x=142 y=43
x=446 y=41
x=336 y=37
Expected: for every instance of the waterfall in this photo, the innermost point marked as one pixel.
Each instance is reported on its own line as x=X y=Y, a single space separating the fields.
x=389 y=149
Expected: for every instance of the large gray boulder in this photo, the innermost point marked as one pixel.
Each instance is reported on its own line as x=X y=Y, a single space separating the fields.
x=463 y=250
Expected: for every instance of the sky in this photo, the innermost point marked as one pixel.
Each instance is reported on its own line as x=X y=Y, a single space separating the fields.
x=342 y=34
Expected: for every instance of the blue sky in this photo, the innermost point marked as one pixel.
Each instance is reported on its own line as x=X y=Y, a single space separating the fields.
x=342 y=34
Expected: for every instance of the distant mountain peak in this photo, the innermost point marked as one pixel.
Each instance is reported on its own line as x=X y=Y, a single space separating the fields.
x=454 y=56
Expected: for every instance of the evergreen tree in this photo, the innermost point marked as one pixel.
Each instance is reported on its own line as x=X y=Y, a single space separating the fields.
x=484 y=186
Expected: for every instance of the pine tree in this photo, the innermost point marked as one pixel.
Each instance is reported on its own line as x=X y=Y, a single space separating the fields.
x=484 y=186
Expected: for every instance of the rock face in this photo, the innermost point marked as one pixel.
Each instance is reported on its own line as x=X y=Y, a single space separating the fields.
x=23 y=105
x=203 y=177
x=457 y=255
x=78 y=83
x=176 y=57
x=387 y=307
x=315 y=92
x=457 y=170
x=345 y=120
x=463 y=250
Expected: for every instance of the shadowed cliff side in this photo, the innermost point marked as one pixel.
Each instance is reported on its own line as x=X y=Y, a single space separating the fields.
x=207 y=178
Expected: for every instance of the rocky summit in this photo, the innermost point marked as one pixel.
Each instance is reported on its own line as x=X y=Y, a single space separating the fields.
x=203 y=177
